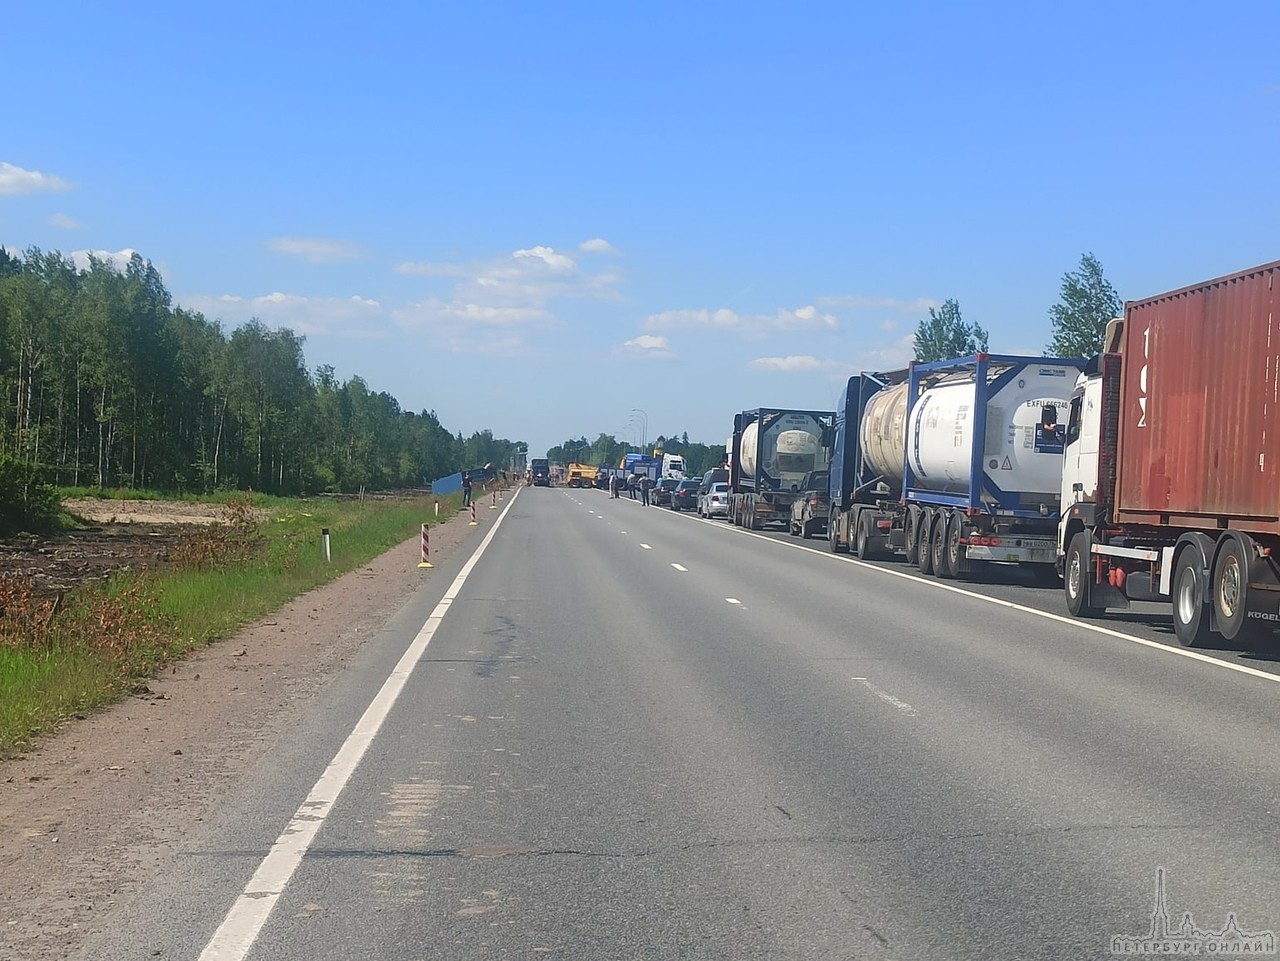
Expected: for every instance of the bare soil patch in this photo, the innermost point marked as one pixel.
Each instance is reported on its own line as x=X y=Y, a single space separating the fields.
x=91 y=811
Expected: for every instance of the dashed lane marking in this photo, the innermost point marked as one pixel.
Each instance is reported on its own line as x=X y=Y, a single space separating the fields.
x=888 y=698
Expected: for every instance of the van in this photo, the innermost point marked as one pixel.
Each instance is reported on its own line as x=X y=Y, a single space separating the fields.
x=717 y=475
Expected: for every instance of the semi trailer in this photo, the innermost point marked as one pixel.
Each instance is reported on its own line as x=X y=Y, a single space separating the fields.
x=1171 y=472
x=770 y=452
x=955 y=463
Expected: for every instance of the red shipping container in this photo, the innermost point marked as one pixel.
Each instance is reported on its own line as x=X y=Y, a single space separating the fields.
x=1200 y=406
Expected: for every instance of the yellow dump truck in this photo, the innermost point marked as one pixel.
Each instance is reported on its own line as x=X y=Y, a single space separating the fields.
x=581 y=475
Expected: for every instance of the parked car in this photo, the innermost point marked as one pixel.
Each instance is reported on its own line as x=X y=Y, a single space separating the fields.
x=685 y=496
x=809 y=511
x=715 y=502
x=661 y=493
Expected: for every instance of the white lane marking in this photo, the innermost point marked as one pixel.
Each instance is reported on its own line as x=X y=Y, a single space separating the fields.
x=888 y=698
x=733 y=600
x=646 y=547
x=621 y=532
x=1000 y=602
x=681 y=567
x=244 y=922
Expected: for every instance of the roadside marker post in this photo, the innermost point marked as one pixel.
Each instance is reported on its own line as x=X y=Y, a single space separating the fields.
x=493 y=501
x=426 y=547
x=324 y=536
x=473 y=515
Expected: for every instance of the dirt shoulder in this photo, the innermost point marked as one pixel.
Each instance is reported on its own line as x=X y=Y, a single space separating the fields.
x=91 y=811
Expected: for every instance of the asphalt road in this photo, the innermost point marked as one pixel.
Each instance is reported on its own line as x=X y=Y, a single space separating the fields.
x=633 y=734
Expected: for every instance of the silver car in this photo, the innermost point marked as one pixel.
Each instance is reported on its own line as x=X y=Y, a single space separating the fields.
x=715 y=502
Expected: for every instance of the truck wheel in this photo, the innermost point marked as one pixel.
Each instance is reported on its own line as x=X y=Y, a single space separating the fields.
x=1190 y=612
x=833 y=534
x=1078 y=578
x=938 y=545
x=955 y=560
x=912 y=537
x=1231 y=585
x=866 y=536
x=924 y=542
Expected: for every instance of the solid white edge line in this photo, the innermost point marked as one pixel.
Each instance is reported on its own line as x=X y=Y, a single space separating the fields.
x=243 y=923
x=1000 y=602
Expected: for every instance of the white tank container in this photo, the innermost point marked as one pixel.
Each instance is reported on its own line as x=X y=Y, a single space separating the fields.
x=791 y=448
x=1018 y=454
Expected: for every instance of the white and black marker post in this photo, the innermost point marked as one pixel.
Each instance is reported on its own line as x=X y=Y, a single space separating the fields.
x=426 y=547
x=324 y=537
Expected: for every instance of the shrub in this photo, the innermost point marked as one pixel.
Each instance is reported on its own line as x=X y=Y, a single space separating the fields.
x=27 y=502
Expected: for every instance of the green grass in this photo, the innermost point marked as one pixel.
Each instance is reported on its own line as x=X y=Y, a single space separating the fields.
x=104 y=639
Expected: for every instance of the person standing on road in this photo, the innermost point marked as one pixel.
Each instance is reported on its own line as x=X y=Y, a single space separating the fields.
x=644 y=490
x=631 y=486
x=466 y=489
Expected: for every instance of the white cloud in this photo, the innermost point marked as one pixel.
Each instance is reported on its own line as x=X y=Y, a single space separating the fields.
x=318 y=250
x=65 y=222
x=513 y=295
x=894 y=357
x=548 y=256
x=722 y=319
x=920 y=305
x=597 y=245
x=118 y=259
x=347 y=316
x=14 y=180
x=802 y=318
x=648 y=346
x=793 y=363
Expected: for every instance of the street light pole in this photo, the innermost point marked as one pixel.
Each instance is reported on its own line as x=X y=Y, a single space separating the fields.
x=644 y=440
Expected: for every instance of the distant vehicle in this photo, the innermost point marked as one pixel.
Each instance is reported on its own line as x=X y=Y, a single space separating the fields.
x=540 y=469
x=672 y=465
x=714 y=502
x=772 y=451
x=716 y=475
x=809 y=510
x=580 y=475
x=661 y=493
x=685 y=496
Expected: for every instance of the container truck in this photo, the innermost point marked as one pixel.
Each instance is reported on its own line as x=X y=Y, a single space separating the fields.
x=1171 y=473
x=955 y=463
x=770 y=452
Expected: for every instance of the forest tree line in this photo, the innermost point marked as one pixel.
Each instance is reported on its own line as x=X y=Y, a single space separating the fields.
x=106 y=383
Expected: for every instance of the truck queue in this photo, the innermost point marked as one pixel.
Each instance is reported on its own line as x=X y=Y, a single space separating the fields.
x=1150 y=472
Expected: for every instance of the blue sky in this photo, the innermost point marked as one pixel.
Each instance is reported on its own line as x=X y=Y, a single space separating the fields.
x=537 y=218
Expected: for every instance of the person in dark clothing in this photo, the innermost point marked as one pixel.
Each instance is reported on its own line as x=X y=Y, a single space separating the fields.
x=466 y=489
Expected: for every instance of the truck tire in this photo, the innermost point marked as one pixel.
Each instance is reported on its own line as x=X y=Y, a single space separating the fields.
x=1077 y=578
x=924 y=542
x=956 y=562
x=833 y=534
x=912 y=536
x=938 y=546
x=867 y=549
x=1190 y=612
x=1231 y=584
